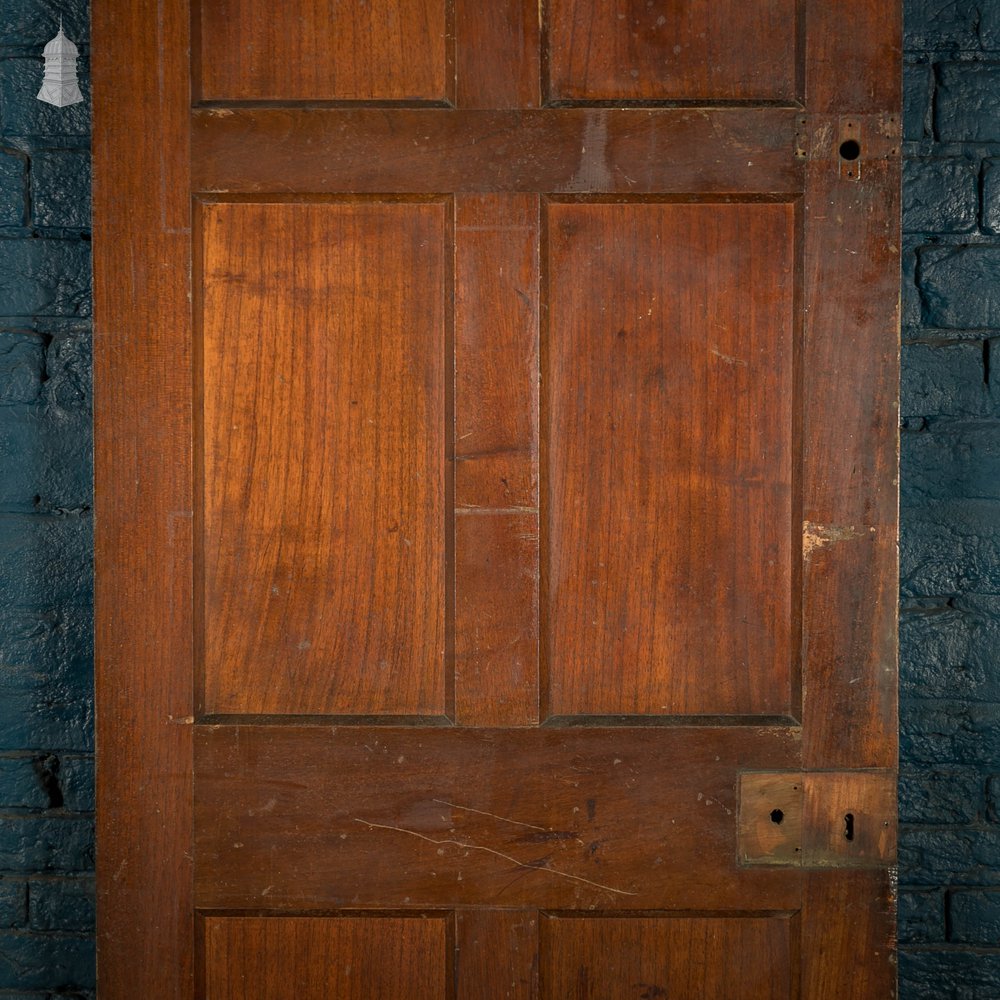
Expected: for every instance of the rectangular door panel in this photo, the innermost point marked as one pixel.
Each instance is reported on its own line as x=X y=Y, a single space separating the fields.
x=377 y=50
x=636 y=50
x=668 y=958
x=326 y=958
x=323 y=382
x=668 y=395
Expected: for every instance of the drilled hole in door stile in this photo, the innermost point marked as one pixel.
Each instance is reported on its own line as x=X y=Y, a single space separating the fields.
x=850 y=149
x=777 y=816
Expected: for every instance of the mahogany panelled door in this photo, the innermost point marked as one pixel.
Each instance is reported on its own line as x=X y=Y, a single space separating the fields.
x=496 y=498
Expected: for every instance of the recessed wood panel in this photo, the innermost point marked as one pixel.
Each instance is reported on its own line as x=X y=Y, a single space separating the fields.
x=323 y=50
x=325 y=958
x=323 y=378
x=639 y=50
x=668 y=413
x=668 y=958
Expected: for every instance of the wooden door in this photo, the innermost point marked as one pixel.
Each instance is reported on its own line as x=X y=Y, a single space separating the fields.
x=496 y=498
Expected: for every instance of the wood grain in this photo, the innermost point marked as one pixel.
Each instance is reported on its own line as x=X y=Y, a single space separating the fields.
x=324 y=449
x=143 y=499
x=319 y=958
x=702 y=49
x=499 y=55
x=680 y=958
x=496 y=460
x=668 y=436
x=849 y=493
x=496 y=954
x=619 y=818
x=551 y=150
x=324 y=51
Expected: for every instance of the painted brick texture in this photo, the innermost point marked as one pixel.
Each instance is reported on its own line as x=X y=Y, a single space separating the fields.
x=46 y=663
x=949 y=903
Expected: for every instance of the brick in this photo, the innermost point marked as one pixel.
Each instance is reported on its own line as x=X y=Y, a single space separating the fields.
x=947 y=380
x=941 y=795
x=975 y=916
x=933 y=857
x=13 y=904
x=951 y=461
x=948 y=975
x=61 y=905
x=46 y=678
x=937 y=25
x=13 y=210
x=23 y=116
x=950 y=547
x=967 y=102
x=76 y=777
x=943 y=733
x=31 y=23
x=940 y=195
x=960 y=286
x=22 y=367
x=69 y=370
x=991 y=196
x=60 y=183
x=918 y=79
x=23 y=781
x=921 y=916
x=45 y=560
x=44 y=277
x=41 y=961
x=31 y=843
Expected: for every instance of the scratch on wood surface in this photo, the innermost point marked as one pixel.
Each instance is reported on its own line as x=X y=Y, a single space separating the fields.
x=815 y=536
x=498 y=854
x=482 y=812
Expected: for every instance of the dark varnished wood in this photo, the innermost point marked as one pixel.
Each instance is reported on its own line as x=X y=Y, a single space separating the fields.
x=850 y=365
x=376 y=50
x=317 y=958
x=323 y=377
x=540 y=817
x=668 y=422
x=678 y=957
x=444 y=843
x=143 y=499
x=496 y=459
x=561 y=150
x=640 y=51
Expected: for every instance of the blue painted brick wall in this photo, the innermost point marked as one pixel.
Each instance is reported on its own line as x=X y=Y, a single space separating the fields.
x=46 y=716
x=949 y=901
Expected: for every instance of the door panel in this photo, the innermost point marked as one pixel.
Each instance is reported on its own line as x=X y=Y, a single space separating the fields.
x=324 y=447
x=496 y=526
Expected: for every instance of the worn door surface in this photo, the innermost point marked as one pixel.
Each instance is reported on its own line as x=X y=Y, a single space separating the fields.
x=496 y=498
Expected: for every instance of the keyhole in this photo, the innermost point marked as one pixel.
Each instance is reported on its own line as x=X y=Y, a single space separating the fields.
x=849 y=826
x=850 y=149
x=777 y=816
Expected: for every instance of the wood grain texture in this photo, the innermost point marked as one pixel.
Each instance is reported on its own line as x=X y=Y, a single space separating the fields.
x=668 y=442
x=620 y=818
x=143 y=499
x=849 y=493
x=548 y=150
x=324 y=447
x=324 y=51
x=697 y=50
x=668 y=958
x=321 y=958
x=498 y=54
x=496 y=954
x=849 y=935
x=496 y=460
